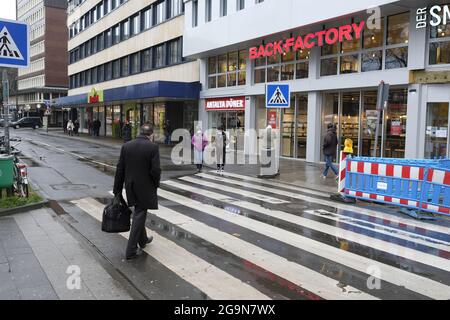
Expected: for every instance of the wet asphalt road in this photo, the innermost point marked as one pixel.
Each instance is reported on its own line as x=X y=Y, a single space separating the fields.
x=237 y=237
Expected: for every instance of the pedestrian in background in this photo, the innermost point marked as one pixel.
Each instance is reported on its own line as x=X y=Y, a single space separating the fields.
x=330 y=143
x=199 y=141
x=167 y=131
x=139 y=169
x=70 y=127
x=65 y=126
x=76 y=128
x=126 y=132
x=221 y=148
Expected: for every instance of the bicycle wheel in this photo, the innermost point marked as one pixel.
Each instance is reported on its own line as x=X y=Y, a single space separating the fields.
x=23 y=190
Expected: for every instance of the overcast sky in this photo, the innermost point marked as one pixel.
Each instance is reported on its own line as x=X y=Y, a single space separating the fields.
x=8 y=9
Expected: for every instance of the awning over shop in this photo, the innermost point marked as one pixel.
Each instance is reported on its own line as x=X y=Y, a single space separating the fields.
x=156 y=89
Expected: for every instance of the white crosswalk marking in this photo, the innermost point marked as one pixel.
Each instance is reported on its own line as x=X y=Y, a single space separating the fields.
x=390 y=274
x=214 y=282
x=381 y=215
x=331 y=230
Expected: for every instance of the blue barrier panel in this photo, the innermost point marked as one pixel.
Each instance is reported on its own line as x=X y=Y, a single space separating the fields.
x=411 y=183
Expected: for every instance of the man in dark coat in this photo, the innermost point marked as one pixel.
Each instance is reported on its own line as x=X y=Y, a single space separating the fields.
x=330 y=143
x=126 y=132
x=139 y=168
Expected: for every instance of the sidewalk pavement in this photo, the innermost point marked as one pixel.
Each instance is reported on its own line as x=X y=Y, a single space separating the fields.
x=297 y=172
x=39 y=259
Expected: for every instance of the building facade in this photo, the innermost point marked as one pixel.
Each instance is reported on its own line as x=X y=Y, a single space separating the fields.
x=334 y=57
x=126 y=65
x=46 y=78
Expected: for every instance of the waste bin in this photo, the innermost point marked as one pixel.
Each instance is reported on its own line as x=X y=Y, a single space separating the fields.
x=6 y=171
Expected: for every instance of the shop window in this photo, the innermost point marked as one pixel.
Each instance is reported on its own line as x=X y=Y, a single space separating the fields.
x=222 y=63
x=395 y=134
x=212 y=65
x=260 y=76
x=328 y=50
x=351 y=45
x=259 y=62
x=243 y=59
x=273 y=74
x=288 y=56
x=440 y=31
x=440 y=53
x=349 y=64
x=349 y=121
x=287 y=72
x=372 y=61
x=330 y=111
x=212 y=82
x=397 y=58
x=232 y=81
x=436 y=134
x=373 y=38
x=242 y=79
x=328 y=67
x=232 y=61
x=222 y=81
x=398 y=29
x=274 y=59
x=302 y=70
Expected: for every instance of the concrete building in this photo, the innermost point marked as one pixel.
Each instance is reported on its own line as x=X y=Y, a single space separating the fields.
x=333 y=55
x=46 y=77
x=126 y=65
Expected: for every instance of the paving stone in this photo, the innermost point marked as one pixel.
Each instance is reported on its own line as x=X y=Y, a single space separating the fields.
x=24 y=262
x=11 y=294
x=45 y=292
x=30 y=278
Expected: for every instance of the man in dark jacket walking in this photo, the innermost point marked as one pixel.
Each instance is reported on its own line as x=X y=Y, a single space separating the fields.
x=127 y=132
x=330 y=143
x=139 y=168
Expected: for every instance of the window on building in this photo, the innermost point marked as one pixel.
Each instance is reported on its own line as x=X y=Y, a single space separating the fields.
x=175 y=52
x=160 y=12
x=147 y=60
x=240 y=4
x=259 y=1
x=116 y=34
x=373 y=37
x=160 y=56
x=398 y=29
x=223 y=8
x=109 y=38
x=136 y=24
x=227 y=70
x=372 y=61
x=208 y=10
x=125 y=30
x=108 y=71
x=101 y=41
x=94 y=75
x=175 y=8
x=93 y=45
x=116 y=69
x=194 y=13
x=100 y=11
x=106 y=6
x=125 y=67
x=328 y=67
x=397 y=58
x=135 y=63
x=439 y=48
x=147 y=19
x=101 y=73
x=349 y=64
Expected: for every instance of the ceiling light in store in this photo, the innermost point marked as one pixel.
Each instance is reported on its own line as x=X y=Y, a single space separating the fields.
x=373 y=38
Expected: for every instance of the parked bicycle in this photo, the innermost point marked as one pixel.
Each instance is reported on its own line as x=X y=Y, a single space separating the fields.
x=20 y=172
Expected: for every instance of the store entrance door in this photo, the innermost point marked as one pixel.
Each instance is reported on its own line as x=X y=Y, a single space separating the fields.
x=436 y=134
x=233 y=122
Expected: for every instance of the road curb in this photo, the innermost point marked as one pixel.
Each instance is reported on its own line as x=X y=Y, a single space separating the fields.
x=22 y=209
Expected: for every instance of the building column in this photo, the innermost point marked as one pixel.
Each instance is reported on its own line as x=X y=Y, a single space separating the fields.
x=251 y=136
x=414 y=145
x=313 y=138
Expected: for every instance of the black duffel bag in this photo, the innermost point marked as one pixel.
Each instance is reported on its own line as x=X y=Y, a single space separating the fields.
x=116 y=216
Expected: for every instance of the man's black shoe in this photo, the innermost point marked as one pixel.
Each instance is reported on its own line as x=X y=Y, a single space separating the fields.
x=134 y=256
x=149 y=240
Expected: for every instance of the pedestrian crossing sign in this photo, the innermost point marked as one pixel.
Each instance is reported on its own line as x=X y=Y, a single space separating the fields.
x=14 y=44
x=278 y=96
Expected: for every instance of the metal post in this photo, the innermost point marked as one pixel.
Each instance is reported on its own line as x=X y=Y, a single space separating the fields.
x=377 y=132
x=5 y=105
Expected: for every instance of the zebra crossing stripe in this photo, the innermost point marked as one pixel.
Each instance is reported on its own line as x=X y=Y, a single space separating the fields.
x=272 y=183
x=214 y=282
x=378 y=244
x=390 y=274
x=376 y=214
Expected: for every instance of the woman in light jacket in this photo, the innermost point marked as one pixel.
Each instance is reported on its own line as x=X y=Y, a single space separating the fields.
x=221 y=146
x=199 y=141
x=70 y=127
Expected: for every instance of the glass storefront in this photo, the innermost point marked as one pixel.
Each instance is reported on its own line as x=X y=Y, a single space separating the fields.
x=354 y=115
x=436 y=135
x=294 y=124
x=109 y=121
x=233 y=122
x=155 y=113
